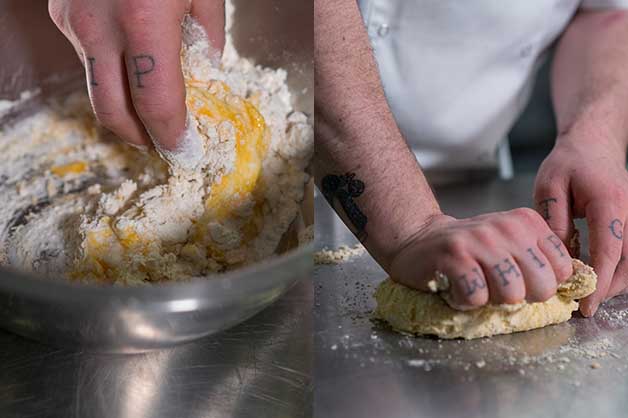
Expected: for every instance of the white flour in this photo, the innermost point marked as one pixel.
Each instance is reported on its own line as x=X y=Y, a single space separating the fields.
x=81 y=204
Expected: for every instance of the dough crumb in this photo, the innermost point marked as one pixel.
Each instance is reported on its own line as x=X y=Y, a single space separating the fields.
x=343 y=254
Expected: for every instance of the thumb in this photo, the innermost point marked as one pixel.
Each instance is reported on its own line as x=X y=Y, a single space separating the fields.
x=210 y=14
x=552 y=202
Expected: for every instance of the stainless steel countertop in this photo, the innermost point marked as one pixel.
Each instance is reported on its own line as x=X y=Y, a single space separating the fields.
x=260 y=368
x=362 y=369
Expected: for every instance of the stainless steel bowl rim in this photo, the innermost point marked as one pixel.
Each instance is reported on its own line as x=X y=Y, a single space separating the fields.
x=33 y=286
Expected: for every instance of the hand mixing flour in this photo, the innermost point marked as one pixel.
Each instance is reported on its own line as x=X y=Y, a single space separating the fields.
x=79 y=203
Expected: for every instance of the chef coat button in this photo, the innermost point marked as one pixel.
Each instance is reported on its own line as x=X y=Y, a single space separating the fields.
x=383 y=30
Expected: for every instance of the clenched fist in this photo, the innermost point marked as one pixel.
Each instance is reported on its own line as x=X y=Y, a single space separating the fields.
x=504 y=257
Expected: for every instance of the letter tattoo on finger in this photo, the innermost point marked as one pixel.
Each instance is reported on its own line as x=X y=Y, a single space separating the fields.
x=143 y=64
x=538 y=261
x=616 y=228
x=544 y=204
x=474 y=283
x=557 y=243
x=90 y=71
x=503 y=272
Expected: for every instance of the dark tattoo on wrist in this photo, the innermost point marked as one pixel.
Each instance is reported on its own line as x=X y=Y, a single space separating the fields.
x=344 y=189
x=90 y=71
x=510 y=268
x=616 y=228
x=472 y=285
x=557 y=243
x=544 y=205
x=539 y=262
x=143 y=64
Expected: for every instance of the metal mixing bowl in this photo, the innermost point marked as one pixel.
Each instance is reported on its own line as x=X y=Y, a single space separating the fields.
x=276 y=33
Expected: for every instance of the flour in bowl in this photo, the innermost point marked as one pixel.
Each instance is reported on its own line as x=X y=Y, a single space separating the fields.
x=80 y=204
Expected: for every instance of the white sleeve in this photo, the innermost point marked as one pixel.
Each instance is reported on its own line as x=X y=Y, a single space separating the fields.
x=604 y=4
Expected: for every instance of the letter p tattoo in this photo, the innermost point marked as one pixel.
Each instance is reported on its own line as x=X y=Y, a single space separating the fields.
x=143 y=64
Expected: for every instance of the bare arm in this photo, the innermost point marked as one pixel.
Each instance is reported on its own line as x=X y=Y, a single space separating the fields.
x=589 y=79
x=357 y=134
x=585 y=175
x=366 y=171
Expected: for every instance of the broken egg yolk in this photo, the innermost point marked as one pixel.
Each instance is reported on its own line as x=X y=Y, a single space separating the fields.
x=236 y=197
x=75 y=168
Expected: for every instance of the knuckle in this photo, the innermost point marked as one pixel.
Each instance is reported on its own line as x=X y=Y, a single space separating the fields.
x=109 y=119
x=479 y=298
x=528 y=216
x=136 y=15
x=563 y=272
x=618 y=194
x=470 y=287
x=607 y=256
x=512 y=296
x=541 y=294
x=484 y=234
x=508 y=226
x=456 y=245
x=514 y=293
x=151 y=109
x=83 y=27
x=546 y=184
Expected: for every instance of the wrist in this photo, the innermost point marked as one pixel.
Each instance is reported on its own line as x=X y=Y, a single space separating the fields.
x=593 y=141
x=414 y=233
x=596 y=128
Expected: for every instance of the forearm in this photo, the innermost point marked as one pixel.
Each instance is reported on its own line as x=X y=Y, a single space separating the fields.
x=590 y=80
x=357 y=134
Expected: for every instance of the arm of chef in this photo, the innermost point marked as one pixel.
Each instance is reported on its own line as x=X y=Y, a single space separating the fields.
x=585 y=174
x=130 y=51
x=368 y=175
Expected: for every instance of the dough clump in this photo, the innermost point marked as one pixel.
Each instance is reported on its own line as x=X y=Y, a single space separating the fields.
x=411 y=311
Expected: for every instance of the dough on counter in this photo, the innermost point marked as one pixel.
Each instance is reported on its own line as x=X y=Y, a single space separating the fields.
x=411 y=311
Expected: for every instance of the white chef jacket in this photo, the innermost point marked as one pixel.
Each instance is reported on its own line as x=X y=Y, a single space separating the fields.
x=457 y=73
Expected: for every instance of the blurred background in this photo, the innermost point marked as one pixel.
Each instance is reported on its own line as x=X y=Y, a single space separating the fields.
x=533 y=135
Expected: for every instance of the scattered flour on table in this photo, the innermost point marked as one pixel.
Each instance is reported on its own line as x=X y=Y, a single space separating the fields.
x=343 y=254
x=79 y=203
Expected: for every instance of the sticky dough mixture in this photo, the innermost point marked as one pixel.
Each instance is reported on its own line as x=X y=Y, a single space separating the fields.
x=80 y=204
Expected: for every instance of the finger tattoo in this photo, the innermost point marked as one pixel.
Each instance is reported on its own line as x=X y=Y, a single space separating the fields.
x=538 y=261
x=474 y=283
x=544 y=204
x=616 y=228
x=90 y=71
x=503 y=272
x=557 y=243
x=143 y=64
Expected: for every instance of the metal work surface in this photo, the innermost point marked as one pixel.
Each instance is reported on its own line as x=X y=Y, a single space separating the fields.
x=363 y=369
x=260 y=368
